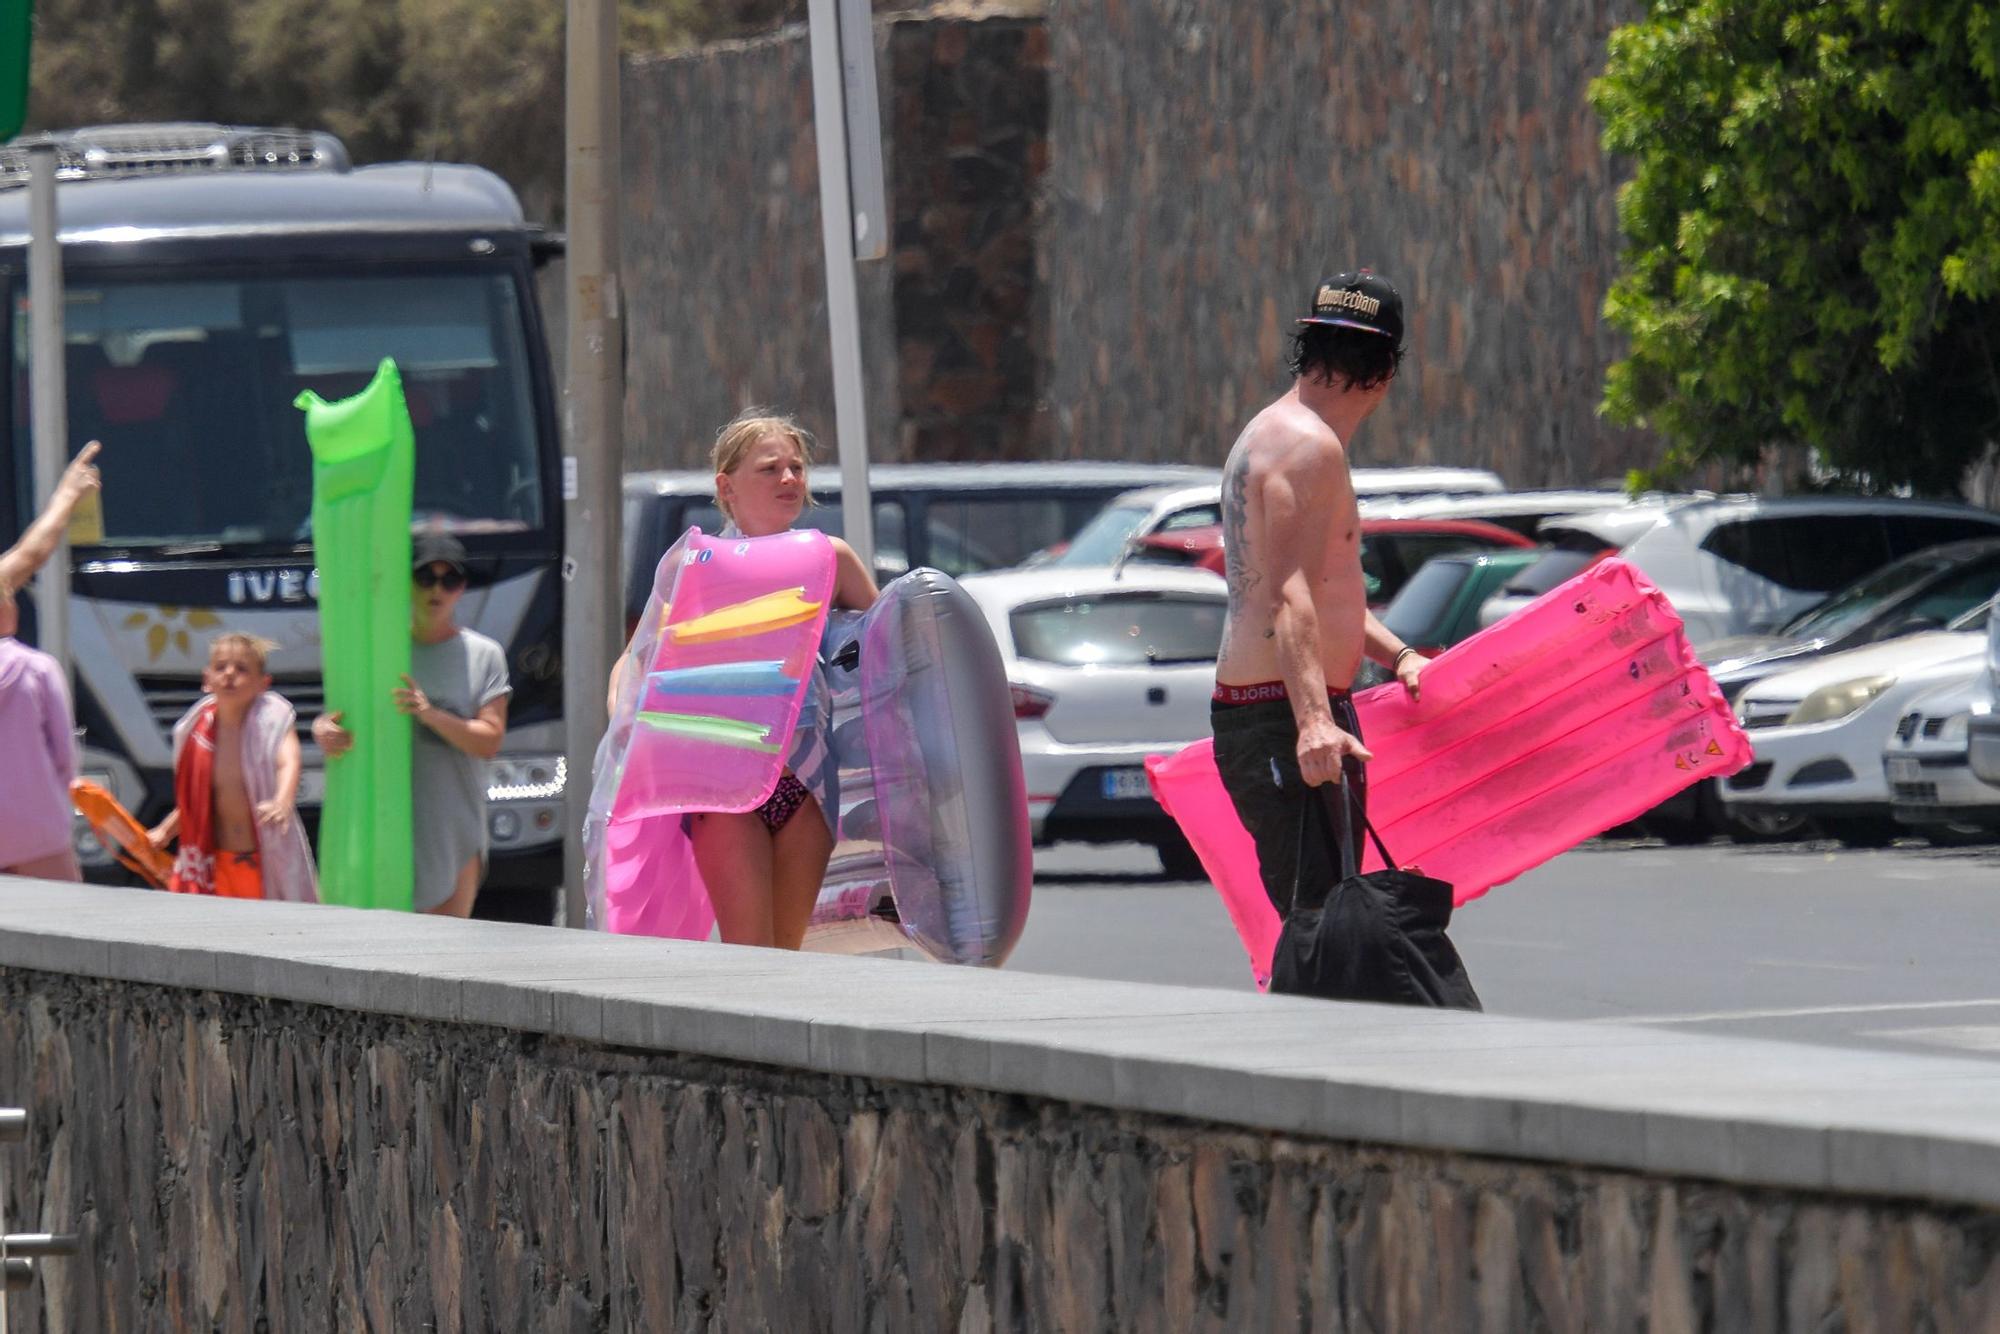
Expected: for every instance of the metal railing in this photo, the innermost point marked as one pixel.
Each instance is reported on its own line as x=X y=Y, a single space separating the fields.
x=20 y=1252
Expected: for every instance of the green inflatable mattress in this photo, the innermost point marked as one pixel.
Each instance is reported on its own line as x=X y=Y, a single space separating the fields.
x=364 y=466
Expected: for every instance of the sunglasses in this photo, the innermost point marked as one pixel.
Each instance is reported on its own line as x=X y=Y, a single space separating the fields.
x=449 y=580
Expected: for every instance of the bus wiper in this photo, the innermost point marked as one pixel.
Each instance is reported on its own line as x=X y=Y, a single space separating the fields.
x=191 y=549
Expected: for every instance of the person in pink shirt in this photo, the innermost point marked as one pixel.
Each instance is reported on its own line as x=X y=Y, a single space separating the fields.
x=38 y=739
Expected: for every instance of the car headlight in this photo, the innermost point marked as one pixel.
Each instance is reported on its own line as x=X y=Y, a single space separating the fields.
x=526 y=777
x=1838 y=701
x=1955 y=728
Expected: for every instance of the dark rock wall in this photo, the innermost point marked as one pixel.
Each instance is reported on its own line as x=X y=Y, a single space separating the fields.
x=723 y=258
x=1210 y=160
x=1108 y=215
x=970 y=128
x=724 y=277
x=243 y=1165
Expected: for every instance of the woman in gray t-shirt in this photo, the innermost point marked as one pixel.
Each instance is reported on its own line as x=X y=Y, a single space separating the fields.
x=457 y=692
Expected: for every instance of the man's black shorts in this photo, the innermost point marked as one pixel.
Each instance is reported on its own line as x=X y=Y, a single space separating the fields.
x=1257 y=754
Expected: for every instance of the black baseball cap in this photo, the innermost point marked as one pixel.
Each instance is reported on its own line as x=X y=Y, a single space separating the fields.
x=1364 y=300
x=437 y=549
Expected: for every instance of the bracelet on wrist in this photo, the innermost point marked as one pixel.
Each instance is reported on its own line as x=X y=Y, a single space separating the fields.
x=1400 y=654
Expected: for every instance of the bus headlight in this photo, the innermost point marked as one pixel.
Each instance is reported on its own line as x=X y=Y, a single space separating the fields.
x=526 y=778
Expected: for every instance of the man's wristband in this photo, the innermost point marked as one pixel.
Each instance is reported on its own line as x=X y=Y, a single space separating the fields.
x=1398 y=663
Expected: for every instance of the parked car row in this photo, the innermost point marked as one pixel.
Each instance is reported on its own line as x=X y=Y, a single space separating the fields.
x=1101 y=584
x=1821 y=730
x=1923 y=591
x=1392 y=550
x=1862 y=713
x=957 y=517
x=1735 y=565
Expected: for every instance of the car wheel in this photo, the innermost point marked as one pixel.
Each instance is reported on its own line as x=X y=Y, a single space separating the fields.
x=1871 y=831
x=1958 y=835
x=1767 y=827
x=1178 y=860
x=1755 y=824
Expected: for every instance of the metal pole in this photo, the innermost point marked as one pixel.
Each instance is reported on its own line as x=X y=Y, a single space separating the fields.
x=594 y=413
x=843 y=311
x=47 y=391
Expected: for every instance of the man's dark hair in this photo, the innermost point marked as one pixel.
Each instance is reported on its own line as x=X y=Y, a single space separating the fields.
x=1347 y=358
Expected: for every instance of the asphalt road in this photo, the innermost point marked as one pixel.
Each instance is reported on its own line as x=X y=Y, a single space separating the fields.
x=1805 y=942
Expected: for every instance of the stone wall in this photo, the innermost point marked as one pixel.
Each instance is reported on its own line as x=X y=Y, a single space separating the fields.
x=242 y=1164
x=1211 y=159
x=725 y=285
x=723 y=257
x=1107 y=215
x=970 y=125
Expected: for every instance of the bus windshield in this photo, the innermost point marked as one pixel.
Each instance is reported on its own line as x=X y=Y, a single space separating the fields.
x=189 y=381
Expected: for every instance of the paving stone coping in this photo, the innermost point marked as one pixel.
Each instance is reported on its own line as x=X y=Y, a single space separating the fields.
x=1643 y=1099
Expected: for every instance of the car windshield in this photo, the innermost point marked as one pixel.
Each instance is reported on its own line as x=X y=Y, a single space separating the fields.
x=1549 y=571
x=1975 y=620
x=190 y=383
x=1120 y=630
x=1855 y=603
x=1414 y=616
x=1103 y=539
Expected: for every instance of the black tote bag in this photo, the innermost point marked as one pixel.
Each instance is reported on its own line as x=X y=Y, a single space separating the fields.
x=1375 y=937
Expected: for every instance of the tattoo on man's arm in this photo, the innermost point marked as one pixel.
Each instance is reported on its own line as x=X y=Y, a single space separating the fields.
x=1235 y=534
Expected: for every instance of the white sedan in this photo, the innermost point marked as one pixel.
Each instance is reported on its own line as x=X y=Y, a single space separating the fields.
x=1106 y=668
x=1821 y=730
x=1928 y=762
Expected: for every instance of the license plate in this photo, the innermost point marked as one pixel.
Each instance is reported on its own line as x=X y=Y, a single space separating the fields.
x=312 y=787
x=1904 y=769
x=1126 y=785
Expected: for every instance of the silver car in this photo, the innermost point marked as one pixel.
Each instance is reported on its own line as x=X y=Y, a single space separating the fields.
x=1106 y=669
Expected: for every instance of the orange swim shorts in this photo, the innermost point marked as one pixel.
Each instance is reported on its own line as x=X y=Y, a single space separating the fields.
x=238 y=875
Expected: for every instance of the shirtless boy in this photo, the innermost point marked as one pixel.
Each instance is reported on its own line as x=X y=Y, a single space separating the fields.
x=236 y=777
x=1298 y=609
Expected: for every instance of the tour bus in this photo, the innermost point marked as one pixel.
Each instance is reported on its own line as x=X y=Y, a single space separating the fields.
x=211 y=274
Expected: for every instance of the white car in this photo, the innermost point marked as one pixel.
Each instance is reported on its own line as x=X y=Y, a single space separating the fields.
x=1168 y=508
x=1820 y=730
x=1734 y=565
x=1521 y=511
x=1115 y=529
x=1928 y=763
x=1105 y=672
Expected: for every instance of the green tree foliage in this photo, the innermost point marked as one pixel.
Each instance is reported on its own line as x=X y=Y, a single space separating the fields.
x=469 y=80
x=1812 y=231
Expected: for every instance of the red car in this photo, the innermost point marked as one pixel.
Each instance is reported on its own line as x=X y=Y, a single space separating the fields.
x=1391 y=549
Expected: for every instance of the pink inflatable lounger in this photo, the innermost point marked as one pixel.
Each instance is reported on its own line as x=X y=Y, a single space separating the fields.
x=1577 y=713
x=712 y=686
x=916 y=763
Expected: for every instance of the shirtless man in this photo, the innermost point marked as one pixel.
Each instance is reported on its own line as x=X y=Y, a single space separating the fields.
x=1298 y=609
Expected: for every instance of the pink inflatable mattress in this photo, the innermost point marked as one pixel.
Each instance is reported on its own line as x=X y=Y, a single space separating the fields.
x=1577 y=713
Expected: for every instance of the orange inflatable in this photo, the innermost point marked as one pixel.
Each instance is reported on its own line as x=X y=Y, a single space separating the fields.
x=122 y=836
